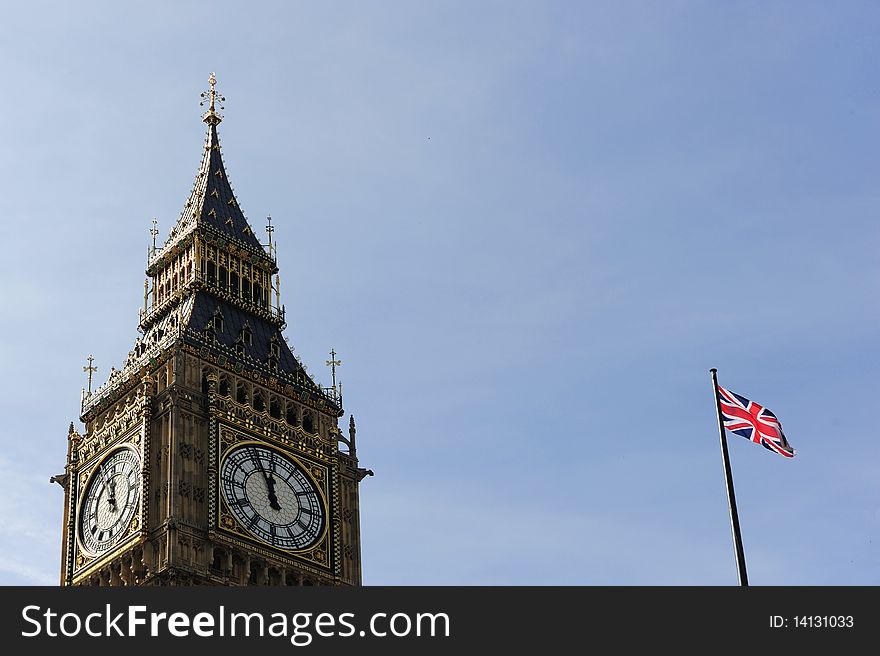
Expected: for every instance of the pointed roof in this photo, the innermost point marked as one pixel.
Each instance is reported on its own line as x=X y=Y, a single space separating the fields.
x=238 y=331
x=212 y=203
x=189 y=321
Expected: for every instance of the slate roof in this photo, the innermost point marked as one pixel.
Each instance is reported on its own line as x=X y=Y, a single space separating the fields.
x=212 y=203
x=234 y=320
x=205 y=307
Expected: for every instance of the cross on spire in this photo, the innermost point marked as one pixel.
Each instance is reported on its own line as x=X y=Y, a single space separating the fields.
x=154 y=231
x=212 y=98
x=269 y=230
x=333 y=363
x=90 y=369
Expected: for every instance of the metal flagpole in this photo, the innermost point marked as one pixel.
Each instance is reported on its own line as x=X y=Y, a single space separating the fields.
x=731 y=497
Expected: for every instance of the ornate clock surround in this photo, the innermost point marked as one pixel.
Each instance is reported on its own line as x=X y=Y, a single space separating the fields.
x=321 y=553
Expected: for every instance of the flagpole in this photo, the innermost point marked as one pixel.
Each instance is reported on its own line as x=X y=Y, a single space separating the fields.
x=731 y=497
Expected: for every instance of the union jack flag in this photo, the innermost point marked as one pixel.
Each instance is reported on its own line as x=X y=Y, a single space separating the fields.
x=753 y=422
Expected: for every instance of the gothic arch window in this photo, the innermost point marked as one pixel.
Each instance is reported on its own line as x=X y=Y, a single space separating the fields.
x=241 y=394
x=224 y=276
x=253 y=578
x=259 y=402
x=292 y=415
x=244 y=340
x=245 y=289
x=274 y=353
x=233 y=283
x=212 y=271
x=308 y=422
x=237 y=566
x=274 y=408
x=205 y=381
x=217 y=321
x=258 y=294
x=218 y=565
x=223 y=387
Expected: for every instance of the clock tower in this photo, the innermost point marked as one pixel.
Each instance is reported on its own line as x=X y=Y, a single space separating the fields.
x=211 y=456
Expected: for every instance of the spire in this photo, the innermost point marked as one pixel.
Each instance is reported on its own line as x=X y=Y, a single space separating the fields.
x=212 y=203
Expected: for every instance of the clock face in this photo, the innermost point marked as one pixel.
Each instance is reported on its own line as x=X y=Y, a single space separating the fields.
x=109 y=501
x=272 y=497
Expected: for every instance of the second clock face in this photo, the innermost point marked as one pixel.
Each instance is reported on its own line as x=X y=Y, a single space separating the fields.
x=272 y=497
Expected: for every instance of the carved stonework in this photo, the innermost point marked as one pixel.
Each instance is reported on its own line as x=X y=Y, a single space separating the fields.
x=210 y=373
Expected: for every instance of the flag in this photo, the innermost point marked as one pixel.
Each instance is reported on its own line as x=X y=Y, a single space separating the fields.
x=753 y=422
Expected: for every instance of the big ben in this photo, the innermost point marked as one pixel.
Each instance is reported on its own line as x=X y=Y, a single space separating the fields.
x=211 y=456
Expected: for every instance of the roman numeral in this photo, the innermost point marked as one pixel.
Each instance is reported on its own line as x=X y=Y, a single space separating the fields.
x=255 y=458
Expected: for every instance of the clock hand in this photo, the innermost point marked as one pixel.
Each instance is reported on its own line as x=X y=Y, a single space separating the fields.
x=273 y=499
x=111 y=492
x=270 y=482
x=112 y=496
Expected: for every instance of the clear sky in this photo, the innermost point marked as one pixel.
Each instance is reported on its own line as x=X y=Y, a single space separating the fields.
x=528 y=228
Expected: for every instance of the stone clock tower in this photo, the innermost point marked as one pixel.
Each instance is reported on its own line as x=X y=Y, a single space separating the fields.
x=211 y=456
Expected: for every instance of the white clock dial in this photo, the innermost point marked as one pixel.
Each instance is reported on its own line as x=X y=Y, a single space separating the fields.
x=109 y=502
x=272 y=497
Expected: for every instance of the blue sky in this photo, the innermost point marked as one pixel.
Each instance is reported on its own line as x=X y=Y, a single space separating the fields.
x=529 y=230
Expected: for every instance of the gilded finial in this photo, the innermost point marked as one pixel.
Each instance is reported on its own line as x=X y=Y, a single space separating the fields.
x=90 y=369
x=269 y=230
x=214 y=99
x=154 y=231
x=333 y=363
